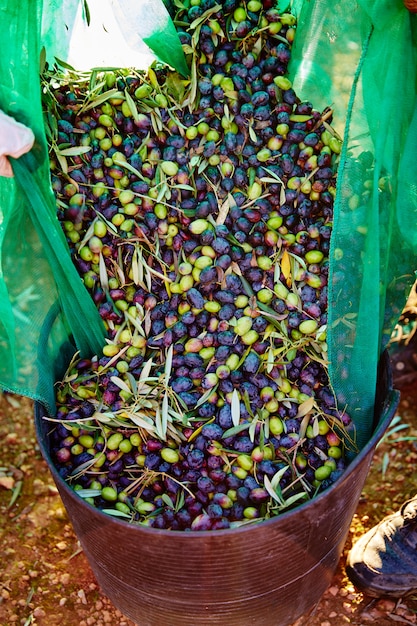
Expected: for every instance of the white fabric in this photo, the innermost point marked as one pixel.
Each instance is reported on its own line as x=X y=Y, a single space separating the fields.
x=103 y=43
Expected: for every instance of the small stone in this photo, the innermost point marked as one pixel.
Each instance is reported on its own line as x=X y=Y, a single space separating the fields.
x=62 y=545
x=7 y=482
x=60 y=513
x=39 y=488
x=39 y=612
x=81 y=595
x=347 y=607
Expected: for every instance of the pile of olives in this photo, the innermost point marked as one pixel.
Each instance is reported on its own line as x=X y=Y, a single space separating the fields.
x=198 y=213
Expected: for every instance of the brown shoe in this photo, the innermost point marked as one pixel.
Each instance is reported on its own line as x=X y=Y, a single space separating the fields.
x=384 y=561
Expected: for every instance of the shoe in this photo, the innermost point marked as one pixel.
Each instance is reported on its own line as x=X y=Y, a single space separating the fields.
x=384 y=561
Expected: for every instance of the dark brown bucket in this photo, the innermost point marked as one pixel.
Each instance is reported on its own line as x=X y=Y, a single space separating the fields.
x=266 y=574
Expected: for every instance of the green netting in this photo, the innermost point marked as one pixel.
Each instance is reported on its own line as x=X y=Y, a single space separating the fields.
x=150 y=22
x=365 y=59
x=38 y=282
x=359 y=58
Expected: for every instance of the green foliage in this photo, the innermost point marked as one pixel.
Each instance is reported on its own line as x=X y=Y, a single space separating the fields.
x=392 y=437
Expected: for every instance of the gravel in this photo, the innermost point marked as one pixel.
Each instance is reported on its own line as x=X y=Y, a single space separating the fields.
x=45 y=578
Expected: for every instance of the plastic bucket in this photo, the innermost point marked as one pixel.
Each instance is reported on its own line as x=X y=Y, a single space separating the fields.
x=266 y=574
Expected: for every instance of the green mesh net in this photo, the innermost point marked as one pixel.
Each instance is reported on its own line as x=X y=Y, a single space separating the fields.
x=364 y=60
x=360 y=62
x=40 y=288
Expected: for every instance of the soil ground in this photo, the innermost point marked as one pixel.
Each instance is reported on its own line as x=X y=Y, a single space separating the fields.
x=45 y=579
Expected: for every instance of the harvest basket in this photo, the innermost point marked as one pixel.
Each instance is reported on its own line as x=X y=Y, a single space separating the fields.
x=265 y=574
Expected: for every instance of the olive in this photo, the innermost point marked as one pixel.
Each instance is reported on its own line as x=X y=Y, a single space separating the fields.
x=197 y=246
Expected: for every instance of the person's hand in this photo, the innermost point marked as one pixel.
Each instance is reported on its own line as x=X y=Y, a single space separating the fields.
x=15 y=140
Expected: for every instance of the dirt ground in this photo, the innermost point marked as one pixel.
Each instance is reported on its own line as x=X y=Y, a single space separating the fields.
x=45 y=578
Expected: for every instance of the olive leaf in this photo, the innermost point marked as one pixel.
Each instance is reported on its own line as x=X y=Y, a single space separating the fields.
x=158 y=423
x=270 y=360
x=64 y=64
x=273 y=485
x=175 y=86
x=132 y=106
x=252 y=134
x=303 y=426
x=235 y=430
x=305 y=407
x=63 y=163
x=141 y=420
x=95 y=102
x=274 y=489
x=168 y=501
x=136 y=323
x=224 y=209
x=116 y=513
x=104 y=279
x=132 y=382
x=137 y=267
x=120 y=383
x=198 y=430
x=199 y=21
x=316 y=430
x=82 y=468
x=235 y=407
x=168 y=363
x=206 y=396
x=164 y=414
x=252 y=429
x=286 y=266
x=88 y=493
